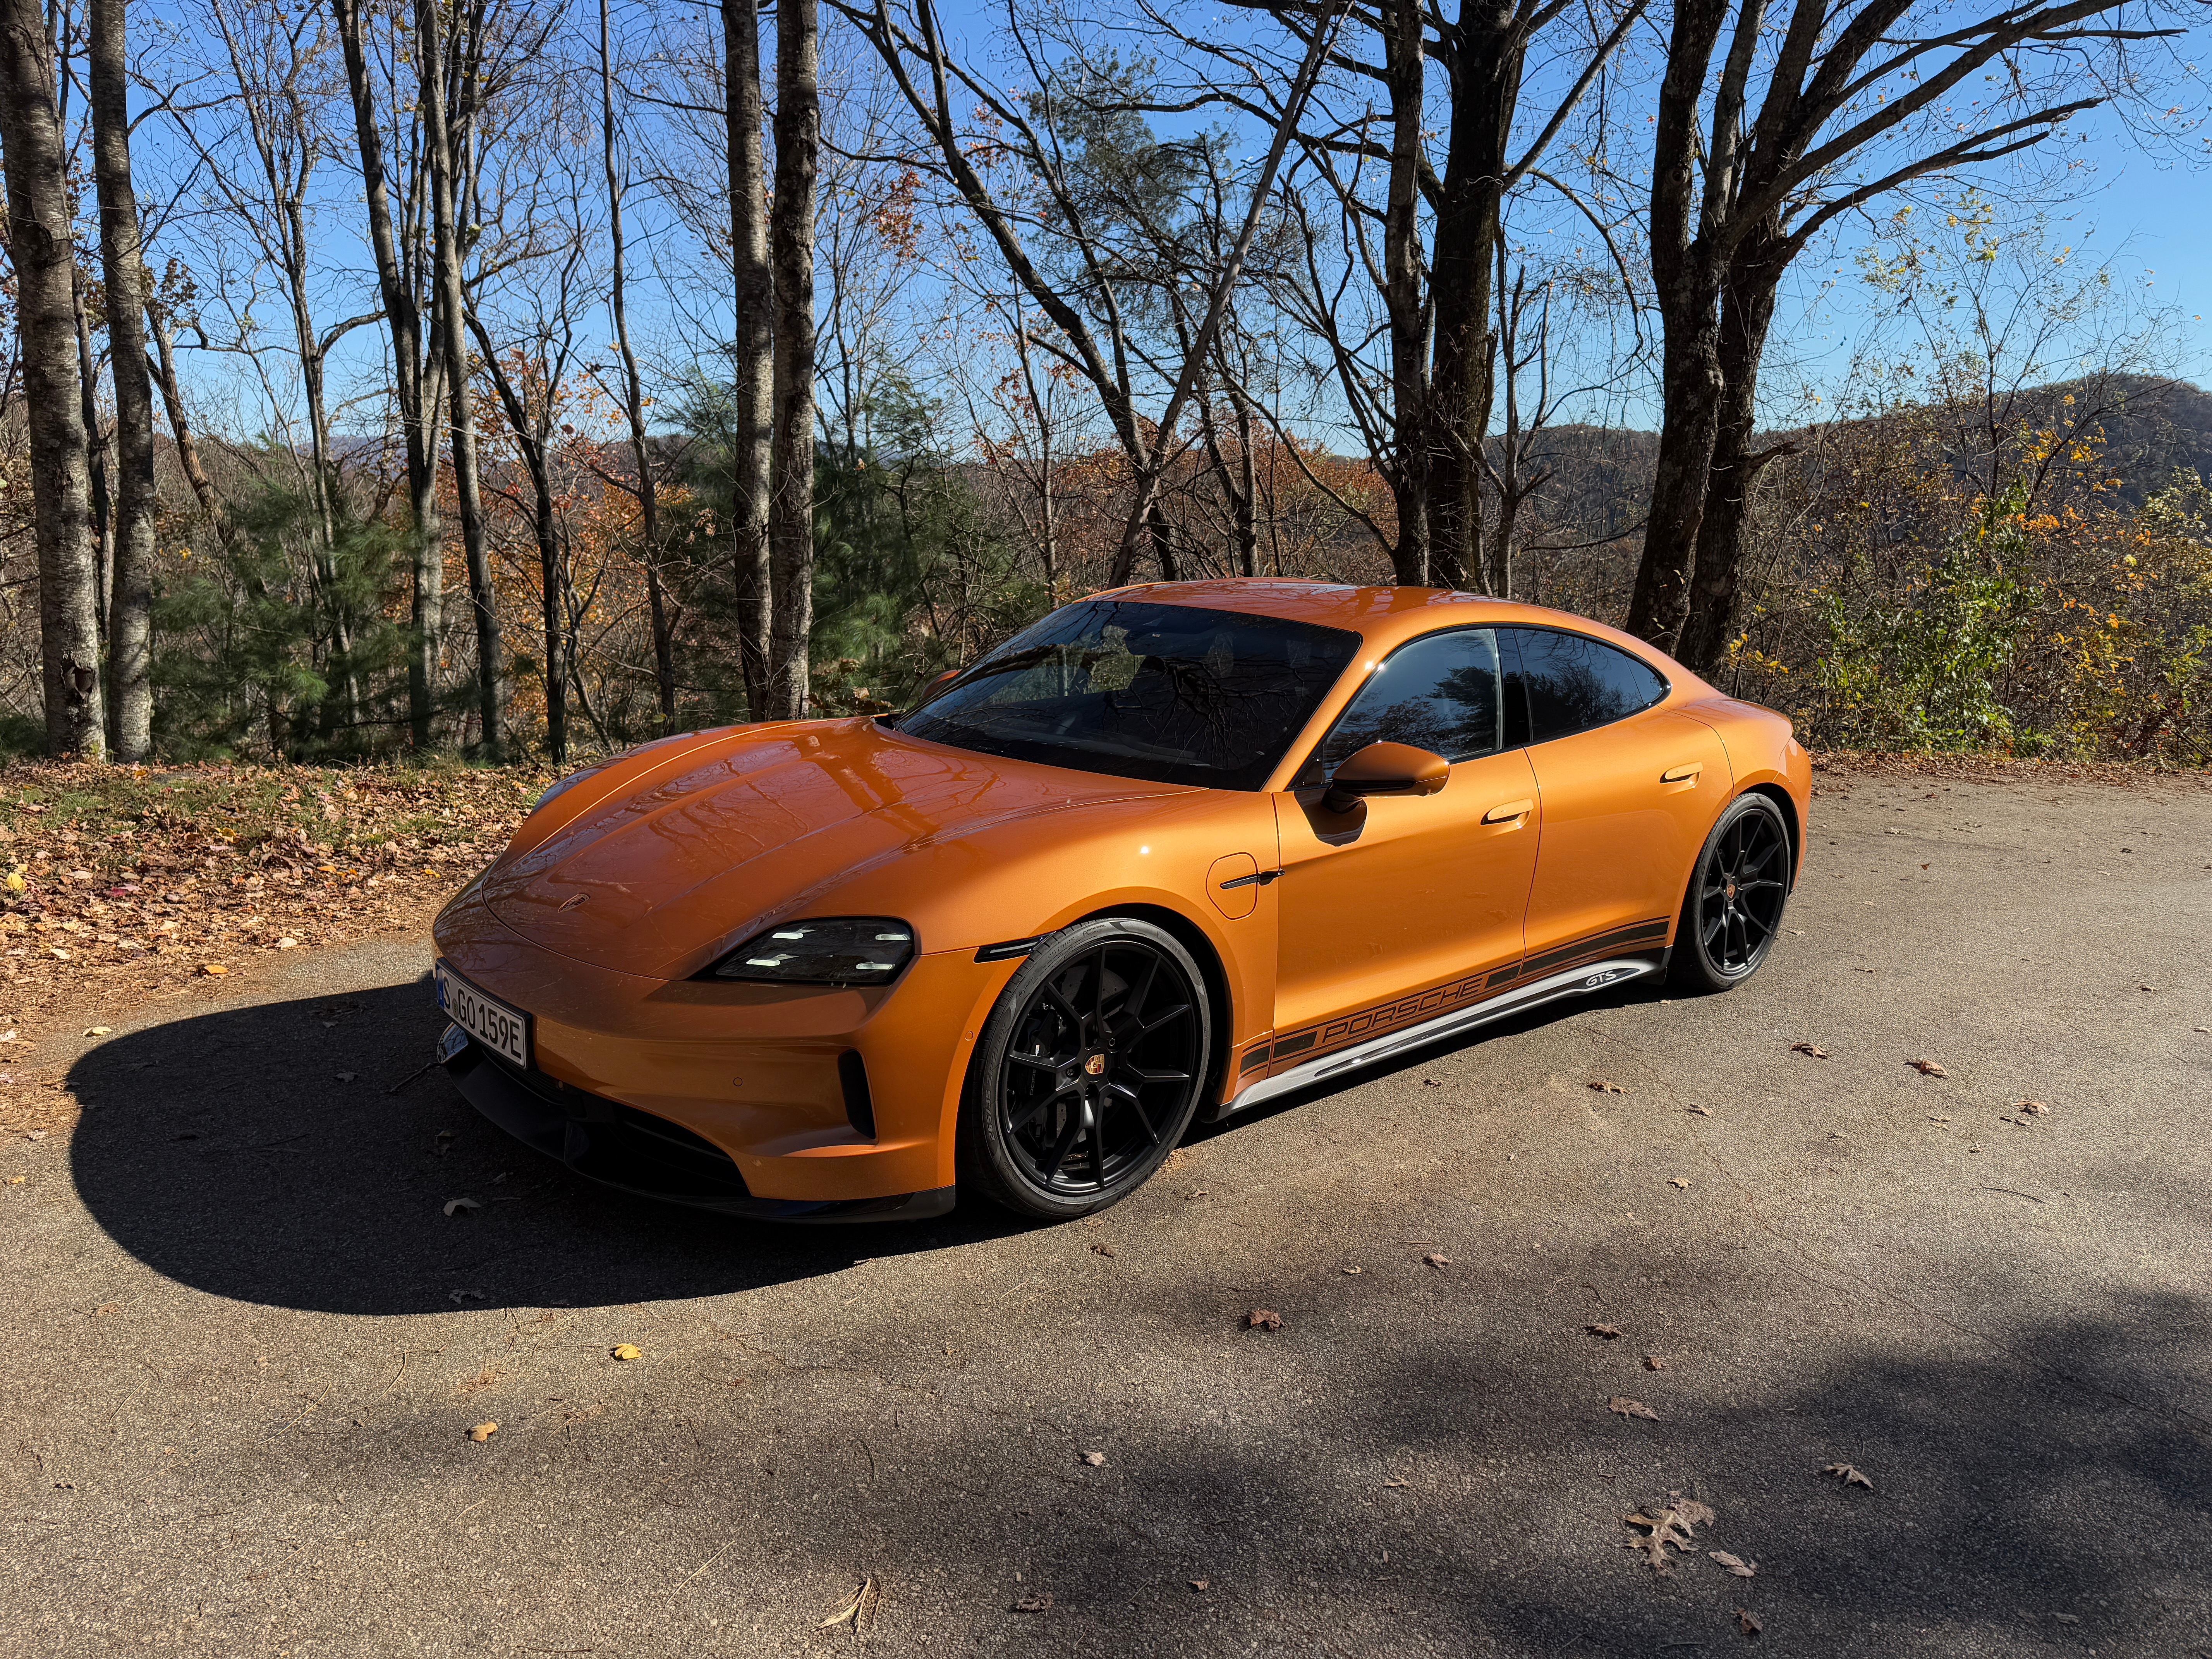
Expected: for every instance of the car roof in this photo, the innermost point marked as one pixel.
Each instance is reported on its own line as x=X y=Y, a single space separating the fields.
x=1382 y=616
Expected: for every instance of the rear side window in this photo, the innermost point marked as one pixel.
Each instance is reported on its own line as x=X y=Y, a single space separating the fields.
x=1442 y=693
x=1572 y=683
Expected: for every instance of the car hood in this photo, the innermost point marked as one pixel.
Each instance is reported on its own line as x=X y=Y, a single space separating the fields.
x=692 y=856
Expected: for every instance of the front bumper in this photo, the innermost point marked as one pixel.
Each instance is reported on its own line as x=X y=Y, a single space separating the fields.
x=758 y=1074
x=649 y=1157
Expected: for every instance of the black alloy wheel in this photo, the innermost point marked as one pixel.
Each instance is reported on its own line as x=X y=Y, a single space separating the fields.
x=1733 y=911
x=1089 y=1071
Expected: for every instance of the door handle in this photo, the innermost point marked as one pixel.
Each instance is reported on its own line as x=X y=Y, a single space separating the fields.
x=1511 y=809
x=1681 y=774
x=1260 y=879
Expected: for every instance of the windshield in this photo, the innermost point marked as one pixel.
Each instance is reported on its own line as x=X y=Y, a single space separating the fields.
x=1164 y=692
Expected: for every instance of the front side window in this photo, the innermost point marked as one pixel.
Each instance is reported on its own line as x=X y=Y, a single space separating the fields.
x=1169 y=693
x=1441 y=693
x=1573 y=682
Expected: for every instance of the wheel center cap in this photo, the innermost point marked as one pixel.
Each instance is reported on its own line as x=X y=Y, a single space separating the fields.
x=1731 y=892
x=1096 y=1065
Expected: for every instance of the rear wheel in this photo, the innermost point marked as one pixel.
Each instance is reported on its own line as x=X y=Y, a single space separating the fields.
x=1738 y=892
x=1088 y=1071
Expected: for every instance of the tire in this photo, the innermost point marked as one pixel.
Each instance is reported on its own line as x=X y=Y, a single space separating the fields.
x=1088 y=1071
x=1739 y=890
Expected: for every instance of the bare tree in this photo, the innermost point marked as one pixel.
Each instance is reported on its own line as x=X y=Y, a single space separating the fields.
x=752 y=397
x=130 y=605
x=415 y=376
x=1852 y=102
x=40 y=223
x=791 y=463
x=448 y=66
x=633 y=389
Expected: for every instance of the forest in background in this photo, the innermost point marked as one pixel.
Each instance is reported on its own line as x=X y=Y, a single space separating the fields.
x=395 y=379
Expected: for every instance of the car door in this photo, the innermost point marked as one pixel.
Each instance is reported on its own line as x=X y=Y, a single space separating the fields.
x=1629 y=791
x=1405 y=906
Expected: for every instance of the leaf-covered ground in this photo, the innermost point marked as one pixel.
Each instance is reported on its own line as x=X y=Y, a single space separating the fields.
x=122 y=886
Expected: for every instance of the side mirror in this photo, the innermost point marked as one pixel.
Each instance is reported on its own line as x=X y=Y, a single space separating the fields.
x=1386 y=769
x=930 y=691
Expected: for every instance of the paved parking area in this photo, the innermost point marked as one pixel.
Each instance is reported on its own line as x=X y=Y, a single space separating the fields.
x=245 y=1344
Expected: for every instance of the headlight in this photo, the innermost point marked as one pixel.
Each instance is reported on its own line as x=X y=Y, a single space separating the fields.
x=822 y=950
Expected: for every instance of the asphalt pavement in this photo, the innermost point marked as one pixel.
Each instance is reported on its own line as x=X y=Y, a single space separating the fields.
x=246 y=1343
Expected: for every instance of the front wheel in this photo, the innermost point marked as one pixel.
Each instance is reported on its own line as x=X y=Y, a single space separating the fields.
x=1738 y=890
x=1088 y=1072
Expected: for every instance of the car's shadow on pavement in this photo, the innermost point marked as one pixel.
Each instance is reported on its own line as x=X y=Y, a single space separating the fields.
x=260 y=1153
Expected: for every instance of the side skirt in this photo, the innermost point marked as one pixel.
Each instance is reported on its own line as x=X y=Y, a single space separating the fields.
x=1575 y=982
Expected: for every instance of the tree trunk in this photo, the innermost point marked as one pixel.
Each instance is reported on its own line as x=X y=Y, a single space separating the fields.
x=40 y=221
x=1692 y=388
x=1485 y=93
x=790 y=460
x=1746 y=311
x=441 y=140
x=755 y=342
x=180 y=427
x=130 y=602
x=664 y=645
x=533 y=438
x=418 y=414
x=1402 y=27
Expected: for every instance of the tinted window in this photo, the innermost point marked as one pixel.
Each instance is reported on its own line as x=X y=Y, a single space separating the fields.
x=1572 y=683
x=1164 y=692
x=1441 y=693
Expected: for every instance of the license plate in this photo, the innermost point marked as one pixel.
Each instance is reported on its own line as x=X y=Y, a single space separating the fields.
x=502 y=1030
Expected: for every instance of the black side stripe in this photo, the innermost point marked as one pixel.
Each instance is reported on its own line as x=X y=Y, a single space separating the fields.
x=1637 y=933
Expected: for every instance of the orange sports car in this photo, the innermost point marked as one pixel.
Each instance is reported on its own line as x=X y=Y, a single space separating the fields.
x=1176 y=849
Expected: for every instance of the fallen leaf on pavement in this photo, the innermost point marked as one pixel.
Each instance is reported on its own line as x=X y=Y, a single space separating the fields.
x=1701 y=1111
x=1747 y=1622
x=214 y=968
x=466 y=1296
x=2032 y=1107
x=1433 y=1083
x=1263 y=1319
x=1202 y=1583
x=108 y=1308
x=1393 y=1482
x=1672 y=1523
x=1608 y=1088
x=1603 y=1333
x=1437 y=1260
x=1807 y=1048
x=1621 y=1406
x=628 y=1351
x=860 y=1607
x=346 y=1077
x=1679 y=1182
x=1652 y=1362
x=1102 y=1250
x=462 y=1206
x=1096 y=1460
x=1355 y=1271
x=1848 y=1475
x=1734 y=1564
x=17 y=1180
x=1034 y=1604
x=1927 y=1069
x=483 y=1431
x=99 y=1030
